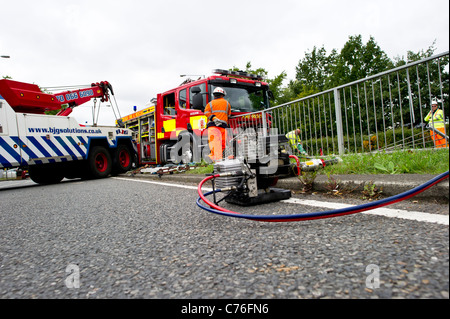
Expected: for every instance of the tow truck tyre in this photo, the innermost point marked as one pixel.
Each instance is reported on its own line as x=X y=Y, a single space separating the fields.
x=122 y=160
x=99 y=162
x=45 y=174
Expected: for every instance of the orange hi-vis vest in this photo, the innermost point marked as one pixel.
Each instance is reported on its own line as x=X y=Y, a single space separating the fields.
x=220 y=108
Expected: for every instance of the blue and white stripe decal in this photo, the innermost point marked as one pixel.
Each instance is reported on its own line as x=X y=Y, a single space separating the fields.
x=40 y=150
x=76 y=146
x=66 y=147
x=52 y=146
x=10 y=153
x=39 y=147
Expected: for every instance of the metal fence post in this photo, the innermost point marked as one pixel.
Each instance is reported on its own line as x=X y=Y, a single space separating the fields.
x=340 y=130
x=264 y=123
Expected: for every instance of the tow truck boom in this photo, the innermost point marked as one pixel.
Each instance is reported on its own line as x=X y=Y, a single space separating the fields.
x=28 y=98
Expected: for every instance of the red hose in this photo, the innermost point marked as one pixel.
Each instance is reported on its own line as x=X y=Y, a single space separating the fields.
x=298 y=163
x=209 y=203
x=316 y=215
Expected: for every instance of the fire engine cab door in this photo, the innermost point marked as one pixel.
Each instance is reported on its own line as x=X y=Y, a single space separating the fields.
x=193 y=118
x=168 y=114
x=189 y=117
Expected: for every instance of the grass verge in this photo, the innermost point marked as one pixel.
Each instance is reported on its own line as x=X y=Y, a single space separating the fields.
x=399 y=162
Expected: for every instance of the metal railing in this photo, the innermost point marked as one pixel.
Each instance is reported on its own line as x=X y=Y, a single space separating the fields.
x=385 y=111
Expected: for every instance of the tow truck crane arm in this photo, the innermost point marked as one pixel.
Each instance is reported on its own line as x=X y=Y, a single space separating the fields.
x=28 y=98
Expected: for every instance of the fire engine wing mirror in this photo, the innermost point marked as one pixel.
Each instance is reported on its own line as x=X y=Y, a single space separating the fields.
x=270 y=93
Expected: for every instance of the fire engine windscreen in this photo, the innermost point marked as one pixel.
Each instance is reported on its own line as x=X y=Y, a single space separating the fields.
x=245 y=98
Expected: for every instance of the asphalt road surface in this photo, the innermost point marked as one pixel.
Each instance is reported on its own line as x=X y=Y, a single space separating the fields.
x=126 y=238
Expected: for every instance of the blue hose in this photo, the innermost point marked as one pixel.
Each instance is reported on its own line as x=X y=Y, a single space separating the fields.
x=324 y=214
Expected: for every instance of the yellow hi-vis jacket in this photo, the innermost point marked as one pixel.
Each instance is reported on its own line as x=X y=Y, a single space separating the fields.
x=435 y=119
x=293 y=138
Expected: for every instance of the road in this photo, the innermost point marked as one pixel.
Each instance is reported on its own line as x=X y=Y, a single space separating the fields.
x=129 y=238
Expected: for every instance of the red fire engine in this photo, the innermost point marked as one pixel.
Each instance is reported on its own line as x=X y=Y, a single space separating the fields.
x=178 y=115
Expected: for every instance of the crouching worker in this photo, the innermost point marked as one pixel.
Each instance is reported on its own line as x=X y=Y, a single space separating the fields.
x=295 y=141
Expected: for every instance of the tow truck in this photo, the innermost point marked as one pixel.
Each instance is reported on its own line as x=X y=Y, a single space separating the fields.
x=53 y=147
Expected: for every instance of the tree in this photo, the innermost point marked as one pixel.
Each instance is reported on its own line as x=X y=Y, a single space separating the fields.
x=357 y=61
x=318 y=71
x=314 y=69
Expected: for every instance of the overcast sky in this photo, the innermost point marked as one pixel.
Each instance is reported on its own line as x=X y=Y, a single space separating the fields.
x=143 y=46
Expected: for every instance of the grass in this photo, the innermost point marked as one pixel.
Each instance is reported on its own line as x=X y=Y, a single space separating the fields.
x=399 y=162
x=202 y=170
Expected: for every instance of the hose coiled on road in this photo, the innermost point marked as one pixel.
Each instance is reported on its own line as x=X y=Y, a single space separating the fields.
x=213 y=208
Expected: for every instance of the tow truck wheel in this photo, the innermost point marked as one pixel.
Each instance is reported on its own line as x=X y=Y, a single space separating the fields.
x=122 y=160
x=99 y=162
x=45 y=174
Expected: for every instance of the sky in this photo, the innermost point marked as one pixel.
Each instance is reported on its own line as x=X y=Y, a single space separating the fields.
x=143 y=46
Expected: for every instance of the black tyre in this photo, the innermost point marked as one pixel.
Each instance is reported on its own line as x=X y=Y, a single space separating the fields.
x=46 y=174
x=185 y=149
x=188 y=156
x=99 y=162
x=123 y=160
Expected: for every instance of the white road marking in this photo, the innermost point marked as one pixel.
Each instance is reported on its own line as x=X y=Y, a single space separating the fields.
x=387 y=212
x=382 y=211
x=157 y=183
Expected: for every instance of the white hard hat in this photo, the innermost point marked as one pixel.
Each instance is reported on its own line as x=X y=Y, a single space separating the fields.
x=219 y=91
x=434 y=102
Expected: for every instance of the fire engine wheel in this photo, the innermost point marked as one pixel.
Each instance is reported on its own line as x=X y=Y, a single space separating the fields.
x=185 y=152
x=187 y=156
x=122 y=160
x=100 y=162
